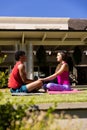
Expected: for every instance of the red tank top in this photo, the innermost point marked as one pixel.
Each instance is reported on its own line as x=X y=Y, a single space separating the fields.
x=15 y=80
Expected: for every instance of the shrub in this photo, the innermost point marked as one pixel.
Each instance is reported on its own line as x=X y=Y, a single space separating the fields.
x=3 y=75
x=3 y=78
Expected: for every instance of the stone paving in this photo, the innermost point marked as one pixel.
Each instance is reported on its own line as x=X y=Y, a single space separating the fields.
x=72 y=124
x=76 y=112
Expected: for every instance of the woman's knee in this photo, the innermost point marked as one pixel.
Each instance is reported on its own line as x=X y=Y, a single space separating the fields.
x=49 y=85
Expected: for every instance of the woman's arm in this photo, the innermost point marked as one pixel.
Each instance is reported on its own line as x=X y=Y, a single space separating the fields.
x=63 y=68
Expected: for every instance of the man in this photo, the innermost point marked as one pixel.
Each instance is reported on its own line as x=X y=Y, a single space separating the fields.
x=18 y=81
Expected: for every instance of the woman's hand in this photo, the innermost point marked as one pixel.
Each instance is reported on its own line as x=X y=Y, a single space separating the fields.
x=42 y=79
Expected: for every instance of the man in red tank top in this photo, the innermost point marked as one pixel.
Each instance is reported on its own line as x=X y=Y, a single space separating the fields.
x=18 y=81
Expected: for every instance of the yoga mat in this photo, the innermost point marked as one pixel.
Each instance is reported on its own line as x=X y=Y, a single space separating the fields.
x=64 y=92
x=26 y=94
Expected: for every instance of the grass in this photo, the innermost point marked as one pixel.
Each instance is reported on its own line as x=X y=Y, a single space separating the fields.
x=44 y=98
x=15 y=114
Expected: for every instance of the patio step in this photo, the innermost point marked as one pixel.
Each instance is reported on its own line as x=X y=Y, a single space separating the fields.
x=75 y=109
x=80 y=87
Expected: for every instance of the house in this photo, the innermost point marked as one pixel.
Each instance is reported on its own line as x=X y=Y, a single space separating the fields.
x=29 y=33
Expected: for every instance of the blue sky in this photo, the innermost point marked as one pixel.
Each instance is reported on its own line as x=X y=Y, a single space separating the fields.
x=44 y=8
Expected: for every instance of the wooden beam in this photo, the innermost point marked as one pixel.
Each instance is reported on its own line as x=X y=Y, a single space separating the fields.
x=44 y=37
x=83 y=38
x=23 y=36
x=57 y=43
x=64 y=37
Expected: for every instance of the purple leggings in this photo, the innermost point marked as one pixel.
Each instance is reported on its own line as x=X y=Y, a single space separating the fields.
x=56 y=87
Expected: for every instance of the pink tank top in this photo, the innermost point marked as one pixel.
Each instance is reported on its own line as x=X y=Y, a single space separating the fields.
x=63 y=78
x=15 y=80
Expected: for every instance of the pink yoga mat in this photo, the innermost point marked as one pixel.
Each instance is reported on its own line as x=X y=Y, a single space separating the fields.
x=64 y=92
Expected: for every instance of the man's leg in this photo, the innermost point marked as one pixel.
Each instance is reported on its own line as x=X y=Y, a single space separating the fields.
x=34 y=85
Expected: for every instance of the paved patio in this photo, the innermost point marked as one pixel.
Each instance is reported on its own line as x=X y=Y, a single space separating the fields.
x=74 y=114
x=78 y=109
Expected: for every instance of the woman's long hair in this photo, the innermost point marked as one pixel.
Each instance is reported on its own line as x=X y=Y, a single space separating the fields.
x=68 y=59
x=64 y=58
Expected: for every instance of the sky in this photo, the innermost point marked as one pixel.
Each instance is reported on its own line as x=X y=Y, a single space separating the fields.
x=44 y=8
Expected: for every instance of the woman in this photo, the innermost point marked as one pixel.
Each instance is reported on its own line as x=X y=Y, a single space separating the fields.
x=61 y=73
x=18 y=81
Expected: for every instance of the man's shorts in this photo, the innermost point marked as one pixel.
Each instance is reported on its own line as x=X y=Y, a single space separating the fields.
x=23 y=88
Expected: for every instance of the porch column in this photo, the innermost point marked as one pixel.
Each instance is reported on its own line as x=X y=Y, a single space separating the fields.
x=30 y=71
x=16 y=47
x=23 y=48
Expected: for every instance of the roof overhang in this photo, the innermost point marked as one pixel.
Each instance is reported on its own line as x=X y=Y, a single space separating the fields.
x=33 y=23
x=44 y=37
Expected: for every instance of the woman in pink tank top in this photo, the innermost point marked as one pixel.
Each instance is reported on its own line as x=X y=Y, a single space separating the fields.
x=61 y=73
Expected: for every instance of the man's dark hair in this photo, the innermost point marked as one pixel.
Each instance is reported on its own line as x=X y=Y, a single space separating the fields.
x=18 y=54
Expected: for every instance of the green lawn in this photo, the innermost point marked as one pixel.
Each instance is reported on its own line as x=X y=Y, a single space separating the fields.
x=15 y=114
x=44 y=98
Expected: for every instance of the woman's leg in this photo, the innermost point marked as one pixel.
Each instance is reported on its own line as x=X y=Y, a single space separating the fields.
x=34 y=85
x=58 y=87
x=54 y=87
